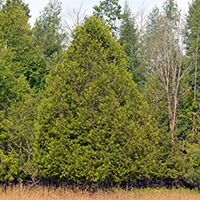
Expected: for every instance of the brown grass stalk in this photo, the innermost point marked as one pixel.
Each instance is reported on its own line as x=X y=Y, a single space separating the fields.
x=40 y=193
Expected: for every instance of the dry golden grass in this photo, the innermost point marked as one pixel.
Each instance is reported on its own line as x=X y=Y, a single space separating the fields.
x=60 y=194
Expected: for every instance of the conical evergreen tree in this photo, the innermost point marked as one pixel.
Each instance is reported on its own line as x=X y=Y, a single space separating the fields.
x=110 y=11
x=129 y=39
x=15 y=35
x=91 y=124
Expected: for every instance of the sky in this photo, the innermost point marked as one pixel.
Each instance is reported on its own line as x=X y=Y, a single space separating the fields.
x=36 y=6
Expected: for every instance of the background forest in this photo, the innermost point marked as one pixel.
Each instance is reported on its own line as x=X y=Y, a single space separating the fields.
x=100 y=100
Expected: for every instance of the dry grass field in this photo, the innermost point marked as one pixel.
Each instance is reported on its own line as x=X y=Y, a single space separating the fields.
x=60 y=194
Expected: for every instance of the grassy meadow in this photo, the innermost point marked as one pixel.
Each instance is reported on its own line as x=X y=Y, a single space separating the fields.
x=17 y=193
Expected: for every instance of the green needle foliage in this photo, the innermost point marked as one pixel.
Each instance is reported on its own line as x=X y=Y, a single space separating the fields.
x=129 y=39
x=192 y=102
x=15 y=35
x=92 y=124
x=84 y=121
x=110 y=11
x=48 y=33
x=193 y=38
x=18 y=63
x=16 y=119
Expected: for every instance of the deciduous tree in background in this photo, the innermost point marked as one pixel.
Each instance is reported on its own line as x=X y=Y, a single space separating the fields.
x=73 y=18
x=164 y=55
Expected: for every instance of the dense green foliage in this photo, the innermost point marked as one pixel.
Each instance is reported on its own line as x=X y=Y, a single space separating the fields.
x=85 y=120
x=129 y=39
x=103 y=110
x=110 y=11
x=192 y=106
x=48 y=34
x=49 y=38
x=16 y=36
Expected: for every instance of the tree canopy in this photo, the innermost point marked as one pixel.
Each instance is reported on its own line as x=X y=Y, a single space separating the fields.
x=113 y=106
x=110 y=11
x=91 y=118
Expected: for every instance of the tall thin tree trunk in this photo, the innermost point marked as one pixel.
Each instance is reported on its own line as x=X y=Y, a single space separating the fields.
x=195 y=71
x=195 y=77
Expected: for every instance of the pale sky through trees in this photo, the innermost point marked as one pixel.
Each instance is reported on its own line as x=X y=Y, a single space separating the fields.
x=37 y=5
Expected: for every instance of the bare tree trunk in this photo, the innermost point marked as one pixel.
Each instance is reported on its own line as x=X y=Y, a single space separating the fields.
x=164 y=54
x=73 y=18
x=140 y=19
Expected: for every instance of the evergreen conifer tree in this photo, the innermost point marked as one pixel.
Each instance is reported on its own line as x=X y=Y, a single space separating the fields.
x=16 y=120
x=92 y=122
x=193 y=38
x=15 y=34
x=129 y=39
x=110 y=11
x=18 y=64
x=48 y=33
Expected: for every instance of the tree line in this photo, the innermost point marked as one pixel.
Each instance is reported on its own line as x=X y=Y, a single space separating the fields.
x=103 y=102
